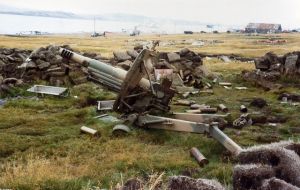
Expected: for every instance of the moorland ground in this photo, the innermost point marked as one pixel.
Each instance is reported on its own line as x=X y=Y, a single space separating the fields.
x=40 y=142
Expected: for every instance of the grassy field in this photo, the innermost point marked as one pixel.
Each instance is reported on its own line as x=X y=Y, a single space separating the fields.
x=41 y=146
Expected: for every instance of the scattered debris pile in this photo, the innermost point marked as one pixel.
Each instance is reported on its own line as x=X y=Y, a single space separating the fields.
x=270 y=68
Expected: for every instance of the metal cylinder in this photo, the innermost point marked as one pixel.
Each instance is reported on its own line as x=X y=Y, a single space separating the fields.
x=100 y=66
x=202 y=161
x=227 y=142
x=223 y=108
x=243 y=109
x=208 y=110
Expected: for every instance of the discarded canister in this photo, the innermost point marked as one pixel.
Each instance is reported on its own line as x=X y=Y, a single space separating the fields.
x=199 y=157
x=223 y=108
x=284 y=99
x=208 y=110
x=243 y=109
x=90 y=131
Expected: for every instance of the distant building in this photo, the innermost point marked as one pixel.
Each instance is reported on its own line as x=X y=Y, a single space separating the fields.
x=263 y=28
x=188 y=32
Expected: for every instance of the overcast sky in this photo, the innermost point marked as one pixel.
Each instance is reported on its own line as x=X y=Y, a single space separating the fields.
x=232 y=12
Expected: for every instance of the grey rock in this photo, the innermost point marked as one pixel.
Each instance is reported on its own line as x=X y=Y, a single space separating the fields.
x=31 y=65
x=2 y=63
x=172 y=57
x=290 y=64
x=42 y=64
x=132 y=53
x=121 y=56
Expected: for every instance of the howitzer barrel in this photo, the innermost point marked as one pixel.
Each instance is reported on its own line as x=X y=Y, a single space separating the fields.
x=102 y=67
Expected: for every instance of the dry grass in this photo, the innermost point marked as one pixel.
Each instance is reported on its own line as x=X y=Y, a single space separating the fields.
x=233 y=43
x=32 y=170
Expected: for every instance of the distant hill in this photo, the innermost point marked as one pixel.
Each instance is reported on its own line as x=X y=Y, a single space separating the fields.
x=108 y=17
x=17 y=11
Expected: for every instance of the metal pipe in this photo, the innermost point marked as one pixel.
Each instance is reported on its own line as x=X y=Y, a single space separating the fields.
x=223 y=108
x=202 y=161
x=227 y=142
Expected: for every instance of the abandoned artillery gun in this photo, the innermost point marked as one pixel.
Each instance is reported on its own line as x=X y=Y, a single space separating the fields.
x=138 y=96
